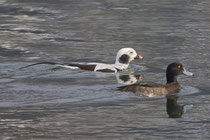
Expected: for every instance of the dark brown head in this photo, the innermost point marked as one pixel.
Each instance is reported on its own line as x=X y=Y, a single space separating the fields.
x=175 y=69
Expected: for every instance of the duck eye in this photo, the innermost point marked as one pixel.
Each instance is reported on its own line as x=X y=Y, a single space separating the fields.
x=131 y=52
x=179 y=66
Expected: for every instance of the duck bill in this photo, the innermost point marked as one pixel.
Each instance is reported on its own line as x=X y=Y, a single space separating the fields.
x=185 y=72
x=139 y=57
x=139 y=77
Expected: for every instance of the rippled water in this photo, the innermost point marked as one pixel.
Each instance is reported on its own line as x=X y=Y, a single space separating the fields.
x=45 y=102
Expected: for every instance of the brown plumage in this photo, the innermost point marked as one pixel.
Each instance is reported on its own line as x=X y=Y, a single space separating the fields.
x=150 y=89
x=154 y=89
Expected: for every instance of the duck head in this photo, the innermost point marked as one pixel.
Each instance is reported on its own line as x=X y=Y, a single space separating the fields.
x=175 y=69
x=126 y=55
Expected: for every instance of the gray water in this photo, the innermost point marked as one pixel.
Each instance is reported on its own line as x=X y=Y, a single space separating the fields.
x=45 y=102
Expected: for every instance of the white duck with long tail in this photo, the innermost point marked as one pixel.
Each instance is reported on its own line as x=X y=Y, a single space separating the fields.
x=123 y=59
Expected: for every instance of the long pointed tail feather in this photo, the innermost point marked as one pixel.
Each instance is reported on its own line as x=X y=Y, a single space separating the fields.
x=40 y=63
x=70 y=65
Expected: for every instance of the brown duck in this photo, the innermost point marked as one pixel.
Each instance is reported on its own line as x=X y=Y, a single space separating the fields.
x=154 y=89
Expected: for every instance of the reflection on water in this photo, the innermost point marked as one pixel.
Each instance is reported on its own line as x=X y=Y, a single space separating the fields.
x=174 y=109
x=45 y=103
x=128 y=79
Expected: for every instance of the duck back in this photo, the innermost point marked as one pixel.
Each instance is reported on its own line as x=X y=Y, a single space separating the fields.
x=150 y=89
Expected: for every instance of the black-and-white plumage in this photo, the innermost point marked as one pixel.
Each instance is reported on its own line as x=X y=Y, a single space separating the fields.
x=123 y=58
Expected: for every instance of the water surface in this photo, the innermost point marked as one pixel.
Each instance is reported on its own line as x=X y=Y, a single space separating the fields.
x=45 y=102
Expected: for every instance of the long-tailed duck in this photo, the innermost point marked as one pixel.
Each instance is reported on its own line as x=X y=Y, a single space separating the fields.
x=155 y=89
x=123 y=58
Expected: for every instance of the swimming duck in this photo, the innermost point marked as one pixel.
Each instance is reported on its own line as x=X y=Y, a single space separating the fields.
x=154 y=89
x=123 y=59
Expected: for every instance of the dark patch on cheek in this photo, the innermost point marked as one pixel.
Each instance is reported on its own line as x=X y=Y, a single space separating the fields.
x=124 y=78
x=124 y=59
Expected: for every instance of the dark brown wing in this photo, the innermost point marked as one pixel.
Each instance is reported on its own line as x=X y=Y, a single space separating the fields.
x=105 y=70
x=145 y=88
x=141 y=84
x=89 y=67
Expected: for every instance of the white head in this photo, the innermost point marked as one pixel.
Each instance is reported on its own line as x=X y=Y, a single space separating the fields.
x=126 y=55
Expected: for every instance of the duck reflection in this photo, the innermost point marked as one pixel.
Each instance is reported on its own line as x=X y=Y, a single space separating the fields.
x=125 y=78
x=128 y=79
x=174 y=110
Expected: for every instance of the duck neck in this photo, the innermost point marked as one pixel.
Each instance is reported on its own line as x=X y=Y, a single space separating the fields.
x=171 y=78
x=122 y=64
